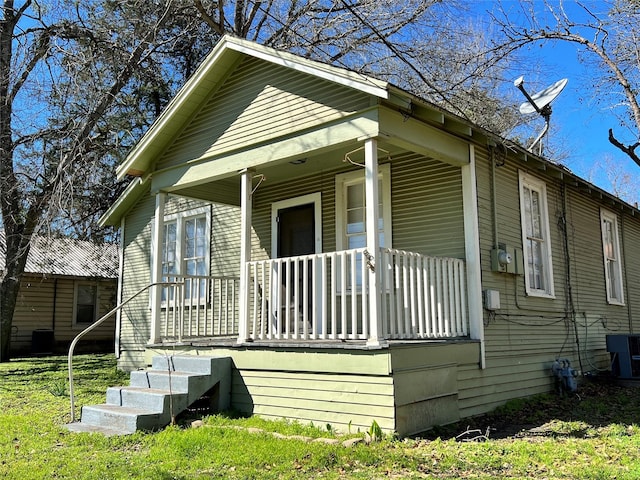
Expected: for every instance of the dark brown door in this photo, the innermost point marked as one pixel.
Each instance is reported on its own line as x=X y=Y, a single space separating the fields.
x=296 y=236
x=296 y=231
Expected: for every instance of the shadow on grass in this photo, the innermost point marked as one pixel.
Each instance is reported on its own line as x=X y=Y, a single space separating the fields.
x=600 y=404
x=37 y=366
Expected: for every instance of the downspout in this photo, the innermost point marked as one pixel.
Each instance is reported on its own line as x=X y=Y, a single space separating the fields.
x=494 y=198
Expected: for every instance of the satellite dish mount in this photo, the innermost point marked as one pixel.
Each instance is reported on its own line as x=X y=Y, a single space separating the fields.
x=540 y=103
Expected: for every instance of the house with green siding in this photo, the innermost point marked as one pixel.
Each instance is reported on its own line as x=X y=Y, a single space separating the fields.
x=359 y=253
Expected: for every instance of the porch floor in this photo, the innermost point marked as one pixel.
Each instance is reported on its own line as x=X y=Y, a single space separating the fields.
x=231 y=342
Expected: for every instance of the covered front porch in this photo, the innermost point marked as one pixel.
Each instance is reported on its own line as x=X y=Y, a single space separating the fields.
x=295 y=285
x=321 y=297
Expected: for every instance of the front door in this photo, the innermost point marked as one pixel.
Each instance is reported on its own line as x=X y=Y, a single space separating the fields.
x=296 y=233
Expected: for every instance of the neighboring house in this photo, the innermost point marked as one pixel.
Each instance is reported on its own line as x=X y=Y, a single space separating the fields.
x=67 y=285
x=360 y=253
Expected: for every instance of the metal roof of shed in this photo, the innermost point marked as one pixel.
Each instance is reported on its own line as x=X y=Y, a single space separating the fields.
x=68 y=257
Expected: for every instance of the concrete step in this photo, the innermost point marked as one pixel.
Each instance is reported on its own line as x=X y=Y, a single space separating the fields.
x=188 y=363
x=123 y=419
x=170 y=387
x=79 y=427
x=150 y=399
x=194 y=385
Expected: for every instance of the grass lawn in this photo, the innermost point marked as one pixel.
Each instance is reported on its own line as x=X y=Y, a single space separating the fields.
x=594 y=436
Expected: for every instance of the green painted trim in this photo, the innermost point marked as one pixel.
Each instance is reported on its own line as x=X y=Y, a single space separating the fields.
x=417 y=136
x=331 y=361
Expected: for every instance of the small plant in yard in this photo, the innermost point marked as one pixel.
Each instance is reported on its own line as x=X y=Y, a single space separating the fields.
x=58 y=388
x=375 y=432
x=563 y=438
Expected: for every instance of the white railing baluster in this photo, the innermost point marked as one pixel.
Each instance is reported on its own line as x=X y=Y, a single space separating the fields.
x=326 y=296
x=334 y=296
x=323 y=298
x=343 y=294
x=427 y=298
x=413 y=298
x=383 y=265
x=313 y=321
x=447 y=282
x=354 y=294
x=265 y=292
x=399 y=296
x=393 y=327
x=419 y=299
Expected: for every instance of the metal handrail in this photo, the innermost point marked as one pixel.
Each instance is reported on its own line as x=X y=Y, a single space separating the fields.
x=96 y=324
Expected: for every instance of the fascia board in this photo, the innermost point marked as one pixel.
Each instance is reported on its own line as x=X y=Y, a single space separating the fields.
x=182 y=104
x=337 y=75
x=122 y=204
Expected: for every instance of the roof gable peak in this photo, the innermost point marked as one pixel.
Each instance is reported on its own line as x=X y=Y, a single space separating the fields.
x=208 y=76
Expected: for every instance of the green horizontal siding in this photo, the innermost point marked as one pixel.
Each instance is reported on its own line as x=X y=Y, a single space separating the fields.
x=259 y=102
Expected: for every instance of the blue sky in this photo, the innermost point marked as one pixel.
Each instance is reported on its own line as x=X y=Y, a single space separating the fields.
x=579 y=126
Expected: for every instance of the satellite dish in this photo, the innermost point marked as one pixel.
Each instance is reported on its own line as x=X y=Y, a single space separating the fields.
x=542 y=98
x=541 y=103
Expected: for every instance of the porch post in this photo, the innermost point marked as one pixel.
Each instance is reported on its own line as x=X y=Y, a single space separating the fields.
x=156 y=275
x=472 y=252
x=373 y=242
x=246 y=177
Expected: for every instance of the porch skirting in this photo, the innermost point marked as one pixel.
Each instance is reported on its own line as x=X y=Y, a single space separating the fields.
x=406 y=387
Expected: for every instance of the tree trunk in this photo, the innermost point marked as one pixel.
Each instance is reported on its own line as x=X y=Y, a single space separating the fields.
x=9 y=289
x=17 y=251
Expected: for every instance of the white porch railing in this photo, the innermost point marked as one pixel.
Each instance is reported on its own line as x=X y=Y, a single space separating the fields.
x=326 y=296
x=426 y=297
x=199 y=306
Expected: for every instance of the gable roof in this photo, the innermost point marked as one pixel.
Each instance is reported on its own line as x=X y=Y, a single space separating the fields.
x=226 y=56
x=213 y=70
x=68 y=257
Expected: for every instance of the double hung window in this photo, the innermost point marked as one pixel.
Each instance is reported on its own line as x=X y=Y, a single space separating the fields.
x=85 y=304
x=611 y=254
x=535 y=236
x=351 y=230
x=185 y=252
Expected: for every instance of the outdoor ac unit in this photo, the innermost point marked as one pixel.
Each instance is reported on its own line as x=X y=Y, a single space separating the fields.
x=625 y=355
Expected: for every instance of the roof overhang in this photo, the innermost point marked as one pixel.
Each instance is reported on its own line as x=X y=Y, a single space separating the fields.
x=124 y=202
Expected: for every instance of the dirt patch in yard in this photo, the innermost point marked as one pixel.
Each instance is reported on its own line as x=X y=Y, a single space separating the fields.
x=600 y=403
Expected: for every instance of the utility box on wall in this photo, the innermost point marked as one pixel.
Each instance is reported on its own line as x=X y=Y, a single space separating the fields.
x=492 y=300
x=625 y=355
x=507 y=259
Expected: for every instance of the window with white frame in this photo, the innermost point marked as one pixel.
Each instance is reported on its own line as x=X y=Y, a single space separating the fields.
x=351 y=208
x=351 y=229
x=535 y=236
x=85 y=305
x=185 y=251
x=612 y=259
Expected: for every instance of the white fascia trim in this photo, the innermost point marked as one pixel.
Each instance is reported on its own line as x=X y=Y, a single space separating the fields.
x=325 y=71
x=119 y=203
x=174 y=106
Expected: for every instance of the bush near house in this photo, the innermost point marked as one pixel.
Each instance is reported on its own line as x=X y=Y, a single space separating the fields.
x=593 y=435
